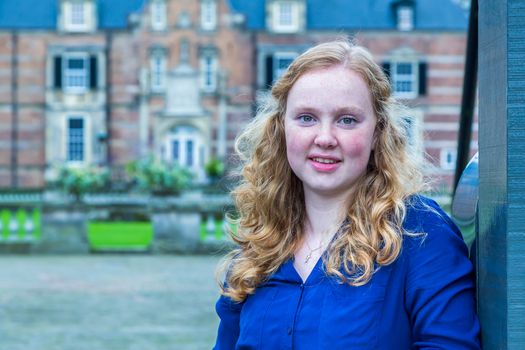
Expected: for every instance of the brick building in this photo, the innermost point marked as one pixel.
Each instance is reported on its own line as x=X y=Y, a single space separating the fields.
x=105 y=82
x=421 y=44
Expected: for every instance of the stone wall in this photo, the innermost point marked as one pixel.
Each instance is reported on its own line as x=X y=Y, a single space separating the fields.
x=63 y=224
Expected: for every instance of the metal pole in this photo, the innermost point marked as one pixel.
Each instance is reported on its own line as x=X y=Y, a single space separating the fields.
x=469 y=94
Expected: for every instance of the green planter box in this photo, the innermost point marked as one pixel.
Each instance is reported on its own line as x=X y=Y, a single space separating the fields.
x=22 y=216
x=120 y=235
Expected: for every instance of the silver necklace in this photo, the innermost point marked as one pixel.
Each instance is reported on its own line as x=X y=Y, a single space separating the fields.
x=309 y=255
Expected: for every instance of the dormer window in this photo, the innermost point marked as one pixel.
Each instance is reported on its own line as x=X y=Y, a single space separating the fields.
x=286 y=16
x=158 y=15
x=78 y=16
x=405 y=17
x=208 y=14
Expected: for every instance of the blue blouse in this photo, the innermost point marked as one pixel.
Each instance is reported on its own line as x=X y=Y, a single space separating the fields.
x=424 y=300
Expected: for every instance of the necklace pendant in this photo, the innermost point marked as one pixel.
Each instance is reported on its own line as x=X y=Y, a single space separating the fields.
x=308 y=257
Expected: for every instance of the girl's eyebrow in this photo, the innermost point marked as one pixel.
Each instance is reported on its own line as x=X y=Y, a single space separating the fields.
x=338 y=111
x=350 y=109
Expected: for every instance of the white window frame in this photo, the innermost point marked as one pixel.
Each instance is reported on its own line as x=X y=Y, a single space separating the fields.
x=285 y=16
x=183 y=135
x=277 y=58
x=208 y=70
x=405 y=18
x=70 y=75
x=399 y=79
x=158 y=68
x=444 y=155
x=158 y=12
x=85 y=139
x=78 y=15
x=208 y=14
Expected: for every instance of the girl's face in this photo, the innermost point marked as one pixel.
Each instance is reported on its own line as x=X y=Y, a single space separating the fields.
x=329 y=130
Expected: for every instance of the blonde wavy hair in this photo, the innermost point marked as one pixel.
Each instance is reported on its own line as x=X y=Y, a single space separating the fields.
x=270 y=199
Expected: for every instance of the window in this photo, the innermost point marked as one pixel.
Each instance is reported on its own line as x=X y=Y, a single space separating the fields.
x=208 y=14
x=448 y=158
x=189 y=153
x=276 y=64
x=184 y=51
x=175 y=151
x=408 y=78
x=78 y=15
x=158 y=70
x=404 y=79
x=285 y=16
x=158 y=15
x=75 y=139
x=405 y=18
x=281 y=62
x=208 y=71
x=185 y=146
x=75 y=72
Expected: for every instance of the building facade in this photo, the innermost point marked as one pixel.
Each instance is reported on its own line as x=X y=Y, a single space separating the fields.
x=107 y=82
x=420 y=44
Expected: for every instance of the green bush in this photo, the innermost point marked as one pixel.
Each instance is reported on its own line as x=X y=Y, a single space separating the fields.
x=158 y=178
x=214 y=168
x=81 y=180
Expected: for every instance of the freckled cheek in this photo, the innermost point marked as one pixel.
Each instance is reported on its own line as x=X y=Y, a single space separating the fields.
x=357 y=147
x=296 y=143
x=296 y=151
x=293 y=151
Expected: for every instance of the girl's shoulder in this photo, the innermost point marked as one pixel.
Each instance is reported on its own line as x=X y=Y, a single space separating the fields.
x=423 y=213
x=427 y=224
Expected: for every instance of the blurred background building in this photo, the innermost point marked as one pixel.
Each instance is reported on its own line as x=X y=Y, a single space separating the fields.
x=106 y=82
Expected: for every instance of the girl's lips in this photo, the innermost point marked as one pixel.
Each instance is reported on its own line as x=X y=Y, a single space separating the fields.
x=324 y=164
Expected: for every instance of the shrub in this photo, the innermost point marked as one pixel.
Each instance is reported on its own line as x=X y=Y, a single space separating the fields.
x=159 y=178
x=214 y=168
x=81 y=180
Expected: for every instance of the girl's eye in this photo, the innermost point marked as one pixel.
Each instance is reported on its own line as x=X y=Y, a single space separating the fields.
x=347 y=120
x=305 y=118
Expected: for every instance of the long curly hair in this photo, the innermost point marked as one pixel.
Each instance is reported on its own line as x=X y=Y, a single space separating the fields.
x=270 y=198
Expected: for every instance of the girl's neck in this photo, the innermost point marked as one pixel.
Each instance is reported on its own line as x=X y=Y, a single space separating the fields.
x=323 y=215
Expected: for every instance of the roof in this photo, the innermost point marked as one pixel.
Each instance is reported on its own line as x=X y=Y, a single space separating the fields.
x=430 y=15
x=115 y=13
x=42 y=14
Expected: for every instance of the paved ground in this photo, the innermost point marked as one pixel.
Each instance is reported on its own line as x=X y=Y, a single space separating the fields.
x=112 y=302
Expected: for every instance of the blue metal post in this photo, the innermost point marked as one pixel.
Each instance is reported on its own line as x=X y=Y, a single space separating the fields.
x=501 y=237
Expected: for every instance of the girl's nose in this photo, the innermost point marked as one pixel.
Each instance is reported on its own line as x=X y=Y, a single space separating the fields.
x=325 y=137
